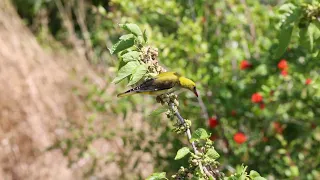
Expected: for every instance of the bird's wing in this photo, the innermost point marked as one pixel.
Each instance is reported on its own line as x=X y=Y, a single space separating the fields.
x=156 y=84
x=163 y=81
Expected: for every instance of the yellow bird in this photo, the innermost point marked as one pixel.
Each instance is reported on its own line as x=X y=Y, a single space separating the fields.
x=163 y=83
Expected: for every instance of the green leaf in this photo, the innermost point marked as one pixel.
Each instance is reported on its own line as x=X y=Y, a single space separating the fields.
x=132 y=28
x=145 y=37
x=242 y=177
x=158 y=111
x=212 y=153
x=287 y=7
x=131 y=56
x=182 y=152
x=199 y=134
x=294 y=171
x=157 y=176
x=126 y=36
x=125 y=42
x=139 y=72
x=262 y=70
x=259 y=178
x=126 y=71
x=254 y=174
x=294 y=17
x=284 y=39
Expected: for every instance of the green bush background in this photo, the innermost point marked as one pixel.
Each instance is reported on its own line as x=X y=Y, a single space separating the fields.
x=206 y=41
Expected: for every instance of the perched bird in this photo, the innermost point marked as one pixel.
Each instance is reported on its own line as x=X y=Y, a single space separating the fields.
x=163 y=83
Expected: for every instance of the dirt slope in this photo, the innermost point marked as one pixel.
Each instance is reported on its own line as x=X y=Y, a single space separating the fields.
x=35 y=97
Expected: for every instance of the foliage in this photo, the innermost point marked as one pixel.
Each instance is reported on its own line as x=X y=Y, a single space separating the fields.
x=256 y=64
x=202 y=162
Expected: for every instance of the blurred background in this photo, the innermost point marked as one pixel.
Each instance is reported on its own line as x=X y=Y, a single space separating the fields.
x=256 y=64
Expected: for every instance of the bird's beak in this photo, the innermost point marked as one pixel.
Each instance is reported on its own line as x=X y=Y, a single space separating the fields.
x=195 y=92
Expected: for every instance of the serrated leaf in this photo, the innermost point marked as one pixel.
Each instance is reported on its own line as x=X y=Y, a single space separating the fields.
x=138 y=73
x=199 y=134
x=158 y=111
x=284 y=39
x=125 y=42
x=132 y=28
x=157 y=176
x=131 y=56
x=254 y=174
x=212 y=153
x=126 y=71
x=182 y=153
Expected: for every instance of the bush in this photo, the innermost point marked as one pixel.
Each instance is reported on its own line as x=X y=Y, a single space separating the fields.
x=256 y=67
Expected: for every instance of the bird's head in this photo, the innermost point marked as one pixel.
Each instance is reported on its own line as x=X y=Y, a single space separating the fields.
x=188 y=84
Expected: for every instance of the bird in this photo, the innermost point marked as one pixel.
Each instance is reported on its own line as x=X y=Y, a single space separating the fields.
x=163 y=83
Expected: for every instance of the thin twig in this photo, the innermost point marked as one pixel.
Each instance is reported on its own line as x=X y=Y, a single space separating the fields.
x=208 y=173
x=188 y=132
x=182 y=121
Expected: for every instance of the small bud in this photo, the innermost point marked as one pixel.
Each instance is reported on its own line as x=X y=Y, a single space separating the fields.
x=194 y=162
x=176 y=102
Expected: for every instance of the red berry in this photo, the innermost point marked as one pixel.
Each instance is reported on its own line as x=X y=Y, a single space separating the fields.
x=262 y=106
x=308 y=81
x=244 y=64
x=233 y=113
x=213 y=122
x=256 y=98
x=240 y=138
x=283 y=64
x=278 y=127
x=284 y=73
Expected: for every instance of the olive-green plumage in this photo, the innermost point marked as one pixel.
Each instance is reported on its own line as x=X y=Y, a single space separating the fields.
x=161 y=84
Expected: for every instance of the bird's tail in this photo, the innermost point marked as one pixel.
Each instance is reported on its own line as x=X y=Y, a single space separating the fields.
x=127 y=93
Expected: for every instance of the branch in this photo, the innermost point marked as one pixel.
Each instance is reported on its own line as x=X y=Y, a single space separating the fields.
x=188 y=132
x=182 y=121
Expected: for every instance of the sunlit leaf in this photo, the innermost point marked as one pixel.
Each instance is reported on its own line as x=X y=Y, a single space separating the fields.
x=212 y=153
x=199 y=134
x=254 y=174
x=138 y=73
x=157 y=176
x=131 y=56
x=126 y=71
x=132 y=28
x=125 y=42
x=182 y=153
